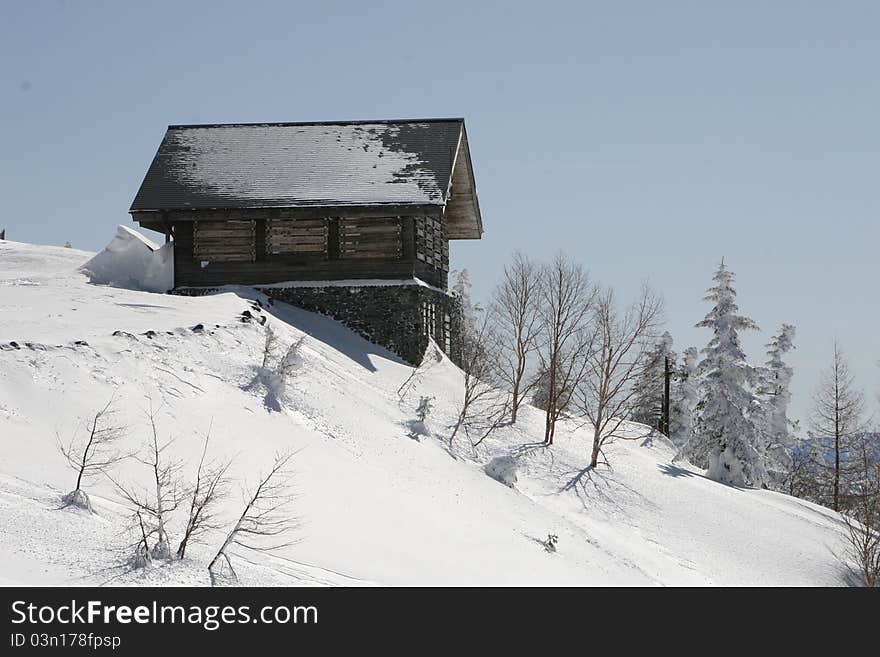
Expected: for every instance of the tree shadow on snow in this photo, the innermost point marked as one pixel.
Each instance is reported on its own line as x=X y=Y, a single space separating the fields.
x=674 y=471
x=849 y=576
x=257 y=386
x=416 y=429
x=591 y=486
x=526 y=450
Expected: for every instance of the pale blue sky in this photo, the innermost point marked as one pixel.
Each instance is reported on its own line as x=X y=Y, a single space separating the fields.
x=647 y=139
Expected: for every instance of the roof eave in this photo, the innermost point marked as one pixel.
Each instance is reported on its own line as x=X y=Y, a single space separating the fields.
x=288 y=206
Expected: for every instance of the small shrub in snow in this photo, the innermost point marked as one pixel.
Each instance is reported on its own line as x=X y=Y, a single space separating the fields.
x=91 y=452
x=275 y=371
x=418 y=427
x=502 y=469
x=550 y=543
x=424 y=408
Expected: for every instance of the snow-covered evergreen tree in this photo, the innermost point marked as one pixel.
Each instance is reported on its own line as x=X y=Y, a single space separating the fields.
x=684 y=397
x=468 y=314
x=648 y=399
x=723 y=422
x=775 y=396
x=461 y=288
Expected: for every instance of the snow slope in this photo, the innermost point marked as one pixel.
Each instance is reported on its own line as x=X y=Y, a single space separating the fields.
x=380 y=499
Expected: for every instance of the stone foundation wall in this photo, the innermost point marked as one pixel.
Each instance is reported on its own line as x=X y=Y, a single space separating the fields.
x=400 y=318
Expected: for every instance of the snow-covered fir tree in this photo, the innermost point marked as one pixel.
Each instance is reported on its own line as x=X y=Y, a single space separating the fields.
x=469 y=312
x=723 y=422
x=648 y=399
x=461 y=288
x=775 y=396
x=684 y=397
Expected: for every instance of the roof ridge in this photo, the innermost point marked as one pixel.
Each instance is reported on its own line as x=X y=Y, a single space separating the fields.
x=457 y=119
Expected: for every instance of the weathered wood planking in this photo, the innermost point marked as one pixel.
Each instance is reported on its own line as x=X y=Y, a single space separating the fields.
x=462 y=208
x=370 y=238
x=297 y=236
x=355 y=248
x=229 y=241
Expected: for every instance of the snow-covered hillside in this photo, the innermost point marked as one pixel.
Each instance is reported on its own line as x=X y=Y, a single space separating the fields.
x=378 y=502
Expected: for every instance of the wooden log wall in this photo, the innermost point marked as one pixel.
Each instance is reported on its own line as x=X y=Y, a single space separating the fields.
x=225 y=241
x=270 y=246
x=297 y=236
x=372 y=238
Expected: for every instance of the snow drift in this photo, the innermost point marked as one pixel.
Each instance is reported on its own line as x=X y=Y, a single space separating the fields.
x=502 y=469
x=134 y=262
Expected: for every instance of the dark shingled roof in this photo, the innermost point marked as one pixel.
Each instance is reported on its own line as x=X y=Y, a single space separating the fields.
x=274 y=165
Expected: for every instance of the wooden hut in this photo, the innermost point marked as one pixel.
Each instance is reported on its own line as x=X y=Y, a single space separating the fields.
x=336 y=217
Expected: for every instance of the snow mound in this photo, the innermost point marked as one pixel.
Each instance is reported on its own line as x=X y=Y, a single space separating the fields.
x=133 y=262
x=79 y=499
x=503 y=469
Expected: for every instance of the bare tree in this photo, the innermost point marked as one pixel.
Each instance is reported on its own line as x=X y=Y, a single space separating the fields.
x=155 y=503
x=208 y=490
x=799 y=471
x=515 y=309
x=622 y=353
x=265 y=519
x=862 y=517
x=91 y=454
x=433 y=356
x=137 y=553
x=483 y=407
x=567 y=299
x=838 y=415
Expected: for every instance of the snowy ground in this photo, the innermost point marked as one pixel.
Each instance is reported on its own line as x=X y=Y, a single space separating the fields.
x=376 y=506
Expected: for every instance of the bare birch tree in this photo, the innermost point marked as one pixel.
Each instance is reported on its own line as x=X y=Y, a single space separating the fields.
x=623 y=351
x=515 y=309
x=155 y=503
x=265 y=519
x=862 y=517
x=90 y=455
x=838 y=415
x=208 y=490
x=483 y=407
x=567 y=299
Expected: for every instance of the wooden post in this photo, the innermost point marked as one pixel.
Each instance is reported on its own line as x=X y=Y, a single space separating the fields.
x=333 y=238
x=667 y=375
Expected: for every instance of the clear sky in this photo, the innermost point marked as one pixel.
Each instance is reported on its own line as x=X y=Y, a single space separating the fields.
x=646 y=139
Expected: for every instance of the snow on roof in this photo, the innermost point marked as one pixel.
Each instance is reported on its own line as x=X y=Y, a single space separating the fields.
x=302 y=165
